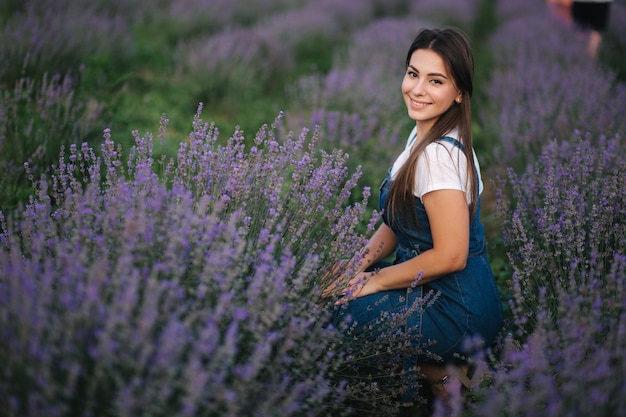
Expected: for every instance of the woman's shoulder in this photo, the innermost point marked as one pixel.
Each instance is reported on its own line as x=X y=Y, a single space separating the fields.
x=451 y=140
x=447 y=145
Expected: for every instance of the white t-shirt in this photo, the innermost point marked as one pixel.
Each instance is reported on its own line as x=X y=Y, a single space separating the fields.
x=442 y=166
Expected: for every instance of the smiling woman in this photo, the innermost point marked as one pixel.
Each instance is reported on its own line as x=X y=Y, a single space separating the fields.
x=431 y=204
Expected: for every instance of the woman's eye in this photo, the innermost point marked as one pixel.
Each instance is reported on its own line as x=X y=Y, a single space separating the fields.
x=436 y=81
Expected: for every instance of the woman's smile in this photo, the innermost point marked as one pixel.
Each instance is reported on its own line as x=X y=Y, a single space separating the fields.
x=419 y=104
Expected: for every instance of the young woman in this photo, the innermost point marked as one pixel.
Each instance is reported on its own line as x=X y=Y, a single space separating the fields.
x=431 y=205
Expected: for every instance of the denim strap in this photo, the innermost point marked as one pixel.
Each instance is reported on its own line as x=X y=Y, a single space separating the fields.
x=453 y=141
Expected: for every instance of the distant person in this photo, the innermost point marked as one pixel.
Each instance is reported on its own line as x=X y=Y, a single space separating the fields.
x=591 y=19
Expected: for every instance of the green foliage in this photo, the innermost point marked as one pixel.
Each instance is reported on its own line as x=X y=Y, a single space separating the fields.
x=39 y=116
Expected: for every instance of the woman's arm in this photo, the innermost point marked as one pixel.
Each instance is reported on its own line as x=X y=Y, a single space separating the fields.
x=381 y=245
x=448 y=215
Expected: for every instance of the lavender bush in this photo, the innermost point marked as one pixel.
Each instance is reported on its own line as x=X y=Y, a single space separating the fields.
x=545 y=87
x=573 y=362
x=366 y=79
x=47 y=37
x=214 y=16
x=328 y=19
x=563 y=227
x=565 y=216
x=235 y=63
x=36 y=116
x=313 y=32
x=306 y=24
x=357 y=136
x=246 y=61
x=192 y=292
x=461 y=13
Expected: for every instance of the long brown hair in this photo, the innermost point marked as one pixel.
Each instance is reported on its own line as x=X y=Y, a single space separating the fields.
x=454 y=48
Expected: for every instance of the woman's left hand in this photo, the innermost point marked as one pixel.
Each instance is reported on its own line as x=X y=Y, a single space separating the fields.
x=359 y=286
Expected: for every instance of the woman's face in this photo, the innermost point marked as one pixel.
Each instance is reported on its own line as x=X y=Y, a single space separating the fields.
x=428 y=89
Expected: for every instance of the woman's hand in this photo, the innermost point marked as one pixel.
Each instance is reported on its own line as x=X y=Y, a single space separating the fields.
x=333 y=288
x=361 y=285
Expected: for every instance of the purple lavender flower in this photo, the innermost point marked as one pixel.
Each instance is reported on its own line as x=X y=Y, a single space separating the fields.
x=565 y=216
x=127 y=292
x=572 y=363
x=36 y=116
x=366 y=79
x=545 y=87
x=43 y=38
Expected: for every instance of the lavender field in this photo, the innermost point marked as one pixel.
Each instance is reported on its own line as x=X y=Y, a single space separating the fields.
x=180 y=177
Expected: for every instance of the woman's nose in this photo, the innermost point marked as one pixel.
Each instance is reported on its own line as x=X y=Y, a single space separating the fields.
x=418 y=87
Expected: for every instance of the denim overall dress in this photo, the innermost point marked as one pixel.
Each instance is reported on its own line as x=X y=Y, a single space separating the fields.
x=467 y=303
